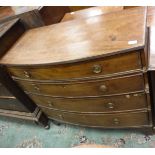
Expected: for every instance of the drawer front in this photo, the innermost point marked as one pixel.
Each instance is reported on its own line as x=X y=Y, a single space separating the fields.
x=12 y=104
x=129 y=119
x=92 y=88
x=109 y=65
x=4 y=92
x=96 y=104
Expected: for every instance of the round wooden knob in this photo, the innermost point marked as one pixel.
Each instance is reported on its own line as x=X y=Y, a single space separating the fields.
x=103 y=88
x=27 y=74
x=97 y=69
x=116 y=121
x=36 y=88
x=61 y=116
x=110 y=105
x=50 y=103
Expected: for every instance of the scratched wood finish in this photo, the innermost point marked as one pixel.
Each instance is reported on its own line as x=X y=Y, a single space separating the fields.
x=90 y=12
x=109 y=65
x=60 y=45
x=118 y=103
x=101 y=120
x=90 y=88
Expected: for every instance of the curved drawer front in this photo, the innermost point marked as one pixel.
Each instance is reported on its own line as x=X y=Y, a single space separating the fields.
x=101 y=120
x=12 y=104
x=96 y=104
x=109 y=65
x=92 y=88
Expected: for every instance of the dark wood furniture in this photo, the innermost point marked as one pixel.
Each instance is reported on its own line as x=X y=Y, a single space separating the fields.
x=13 y=101
x=89 y=72
x=36 y=16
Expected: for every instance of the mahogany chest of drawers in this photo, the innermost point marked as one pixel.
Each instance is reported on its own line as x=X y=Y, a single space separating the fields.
x=90 y=72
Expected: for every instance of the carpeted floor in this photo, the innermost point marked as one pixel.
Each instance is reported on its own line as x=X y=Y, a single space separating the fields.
x=19 y=133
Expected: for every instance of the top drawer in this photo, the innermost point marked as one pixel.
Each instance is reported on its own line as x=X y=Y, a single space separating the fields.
x=78 y=70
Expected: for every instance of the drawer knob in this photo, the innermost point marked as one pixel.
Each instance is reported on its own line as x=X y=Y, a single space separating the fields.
x=110 y=105
x=116 y=121
x=27 y=74
x=36 y=88
x=103 y=88
x=61 y=116
x=50 y=103
x=127 y=96
x=97 y=69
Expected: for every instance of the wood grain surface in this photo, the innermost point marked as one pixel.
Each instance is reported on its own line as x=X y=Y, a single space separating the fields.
x=118 y=120
x=109 y=104
x=77 y=40
x=93 y=11
x=88 y=69
x=110 y=86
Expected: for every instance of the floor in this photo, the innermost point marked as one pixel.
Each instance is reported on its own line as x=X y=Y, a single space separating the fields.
x=24 y=134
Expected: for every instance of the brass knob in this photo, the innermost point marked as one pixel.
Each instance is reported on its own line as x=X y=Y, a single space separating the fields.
x=50 y=103
x=61 y=116
x=103 y=88
x=116 y=121
x=97 y=69
x=110 y=105
x=127 y=96
x=27 y=74
x=36 y=88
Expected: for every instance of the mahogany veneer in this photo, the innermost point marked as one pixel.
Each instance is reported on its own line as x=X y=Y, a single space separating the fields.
x=90 y=72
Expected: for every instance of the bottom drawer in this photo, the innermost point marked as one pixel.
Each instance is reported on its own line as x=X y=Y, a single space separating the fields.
x=12 y=104
x=118 y=120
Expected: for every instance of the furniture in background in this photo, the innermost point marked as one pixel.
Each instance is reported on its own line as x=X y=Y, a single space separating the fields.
x=13 y=101
x=32 y=17
x=90 y=12
x=95 y=77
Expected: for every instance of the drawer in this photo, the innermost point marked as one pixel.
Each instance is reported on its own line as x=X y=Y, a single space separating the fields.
x=3 y=91
x=12 y=104
x=118 y=120
x=94 y=104
x=117 y=85
x=86 y=69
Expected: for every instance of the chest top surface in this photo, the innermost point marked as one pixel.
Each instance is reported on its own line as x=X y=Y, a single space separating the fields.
x=80 y=39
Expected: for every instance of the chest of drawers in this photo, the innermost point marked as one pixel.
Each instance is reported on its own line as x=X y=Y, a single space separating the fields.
x=92 y=75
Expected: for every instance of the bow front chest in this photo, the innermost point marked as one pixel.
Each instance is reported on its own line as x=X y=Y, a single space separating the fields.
x=90 y=72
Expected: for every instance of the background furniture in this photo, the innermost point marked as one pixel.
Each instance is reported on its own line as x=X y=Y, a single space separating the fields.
x=13 y=101
x=32 y=17
x=90 y=12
